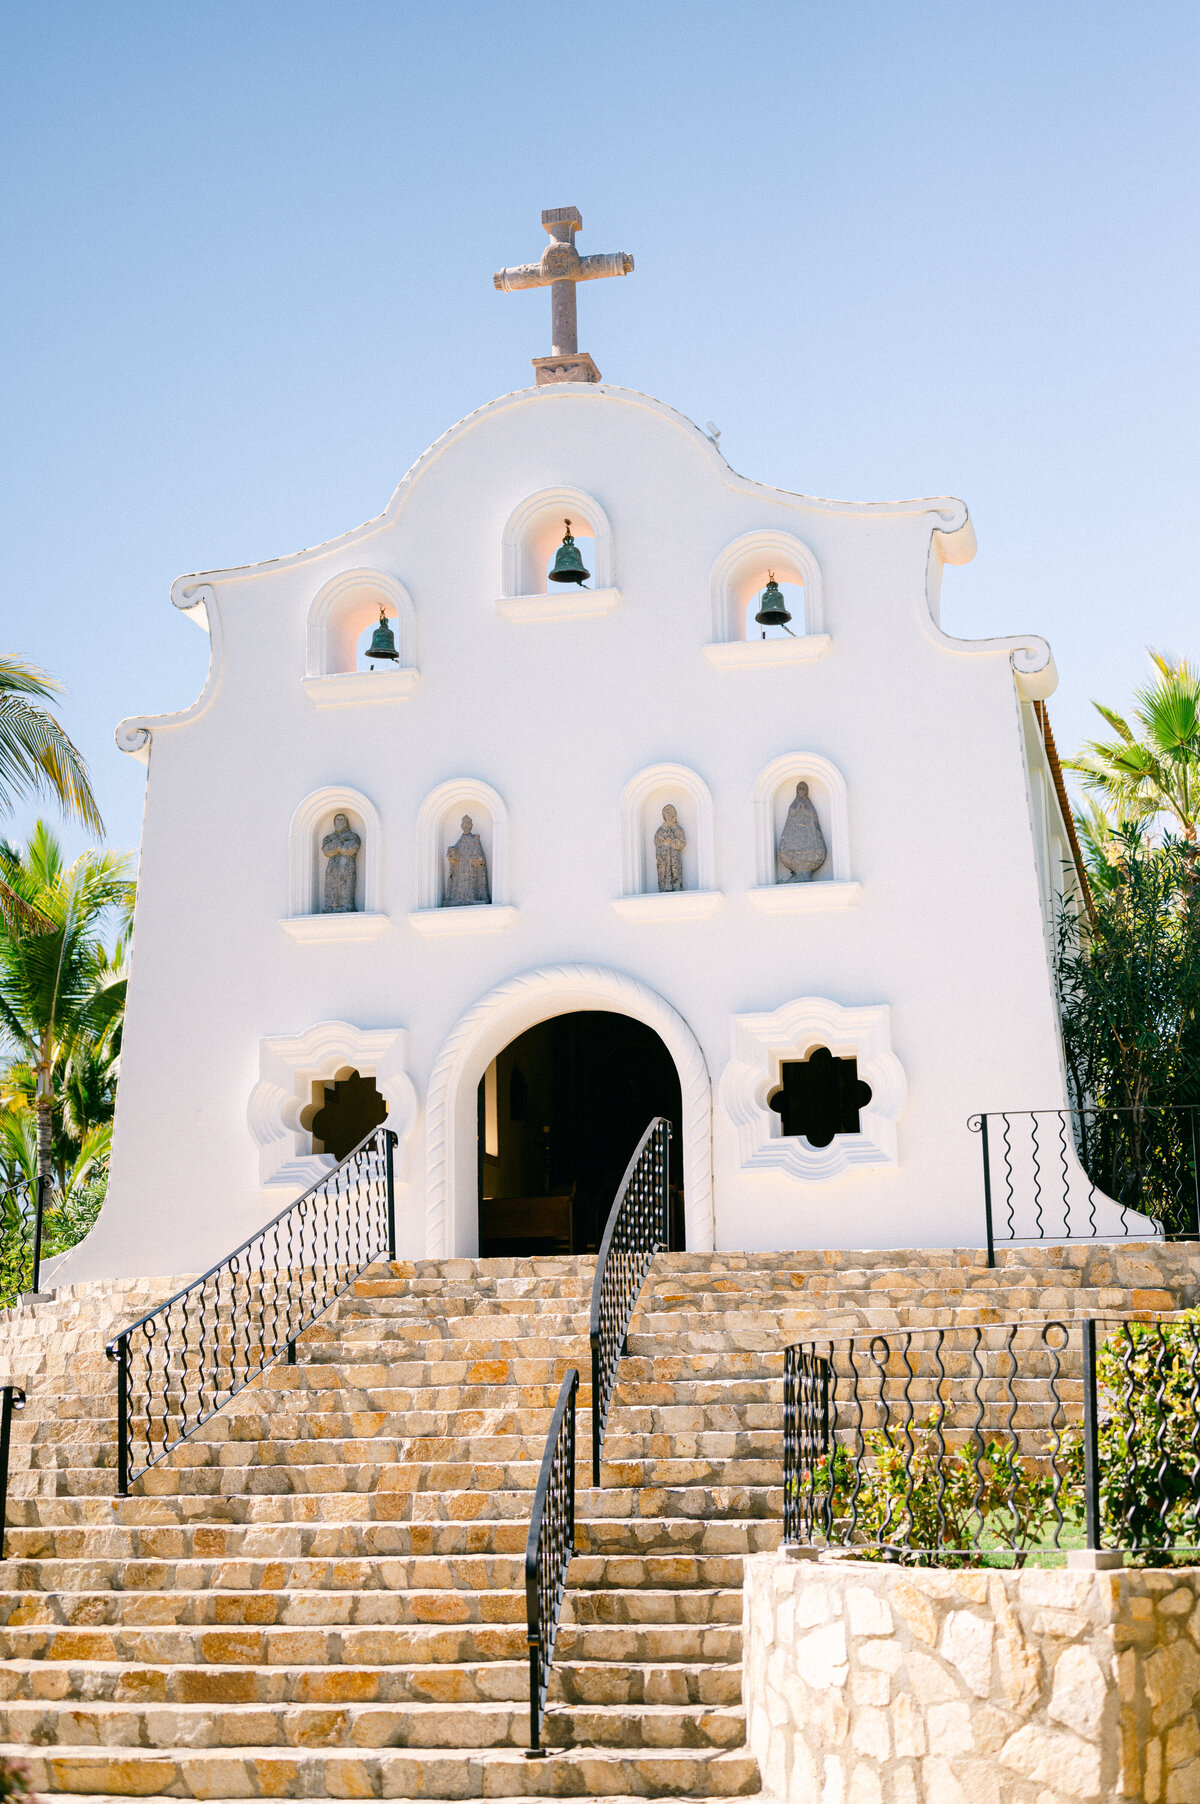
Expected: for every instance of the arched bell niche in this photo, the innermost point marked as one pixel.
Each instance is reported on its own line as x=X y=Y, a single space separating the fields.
x=341 y=619
x=739 y=579
x=532 y=536
x=314 y=820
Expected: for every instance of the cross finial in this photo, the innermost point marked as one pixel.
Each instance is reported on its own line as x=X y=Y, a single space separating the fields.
x=560 y=269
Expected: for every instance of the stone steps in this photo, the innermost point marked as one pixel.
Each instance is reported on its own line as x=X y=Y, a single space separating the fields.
x=464 y=1772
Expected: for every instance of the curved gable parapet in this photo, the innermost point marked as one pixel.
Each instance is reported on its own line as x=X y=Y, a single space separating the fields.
x=1029 y=655
x=199 y=601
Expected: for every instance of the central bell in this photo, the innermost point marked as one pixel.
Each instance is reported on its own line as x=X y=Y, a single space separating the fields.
x=772 y=608
x=383 y=642
x=568 y=565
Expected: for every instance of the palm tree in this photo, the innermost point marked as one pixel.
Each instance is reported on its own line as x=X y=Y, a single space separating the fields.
x=37 y=759
x=60 y=996
x=1157 y=773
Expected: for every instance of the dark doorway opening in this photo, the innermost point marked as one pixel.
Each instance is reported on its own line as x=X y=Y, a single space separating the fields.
x=561 y=1111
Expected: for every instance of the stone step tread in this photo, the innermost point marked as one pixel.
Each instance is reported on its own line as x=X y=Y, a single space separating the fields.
x=383 y=1572
x=394 y=1773
x=85 y=1609
x=100 y=1681
x=372 y=1645
x=374 y=1540
x=482 y=1724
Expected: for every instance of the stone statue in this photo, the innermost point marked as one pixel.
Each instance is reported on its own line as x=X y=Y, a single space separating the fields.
x=669 y=842
x=802 y=848
x=467 y=881
x=341 y=848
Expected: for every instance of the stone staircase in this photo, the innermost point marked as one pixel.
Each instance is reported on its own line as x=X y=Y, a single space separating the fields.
x=322 y=1594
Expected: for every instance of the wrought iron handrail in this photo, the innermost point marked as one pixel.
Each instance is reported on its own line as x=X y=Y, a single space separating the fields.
x=1082 y=1173
x=638 y=1228
x=943 y=1444
x=11 y=1397
x=181 y=1362
x=548 y=1551
x=24 y=1206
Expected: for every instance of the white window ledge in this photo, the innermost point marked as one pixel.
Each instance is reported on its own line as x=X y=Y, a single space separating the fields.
x=361 y=688
x=573 y=604
x=747 y=654
x=469 y=917
x=804 y=898
x=670 y=905
x=335 y=926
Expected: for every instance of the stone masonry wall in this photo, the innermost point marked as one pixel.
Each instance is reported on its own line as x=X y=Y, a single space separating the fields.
x=873 y=1684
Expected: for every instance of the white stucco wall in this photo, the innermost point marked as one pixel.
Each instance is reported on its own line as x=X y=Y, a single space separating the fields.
x=557 y=717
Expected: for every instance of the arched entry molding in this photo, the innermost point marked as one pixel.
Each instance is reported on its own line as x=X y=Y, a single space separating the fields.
x=451 y=1204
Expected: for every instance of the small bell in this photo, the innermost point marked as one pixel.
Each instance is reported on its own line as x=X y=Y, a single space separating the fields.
x=568 y=565
x=383 y=641
x=772 y=608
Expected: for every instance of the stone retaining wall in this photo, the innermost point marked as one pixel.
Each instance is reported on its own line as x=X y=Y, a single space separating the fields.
x=872 y=1684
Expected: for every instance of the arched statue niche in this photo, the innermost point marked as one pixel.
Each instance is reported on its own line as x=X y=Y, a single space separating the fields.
x=779 y=889
x=645 y=797
x=739 y=577
x=532 y=534
x=313 y=828
x=440 y=826
x=340 y=614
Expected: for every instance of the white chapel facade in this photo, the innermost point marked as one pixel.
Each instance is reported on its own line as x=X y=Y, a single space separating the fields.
x=914 y=961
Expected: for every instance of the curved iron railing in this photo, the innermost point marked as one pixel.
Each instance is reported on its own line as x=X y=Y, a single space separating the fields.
x=1091 y=1173
x=548 y=1552
x=1012 y=1438
x=22 y=1215
x=180 y=1363
x=638 y=1228
x=11 y=1397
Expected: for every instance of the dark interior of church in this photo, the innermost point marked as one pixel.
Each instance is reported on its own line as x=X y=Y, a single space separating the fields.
x=561 y=1111
x=352 y=1106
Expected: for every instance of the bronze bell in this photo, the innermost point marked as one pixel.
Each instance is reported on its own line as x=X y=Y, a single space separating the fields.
x=383 y=642
x=568 y=565
x=772 y=608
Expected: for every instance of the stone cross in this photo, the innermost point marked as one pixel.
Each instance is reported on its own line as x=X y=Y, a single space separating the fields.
x=561 y=267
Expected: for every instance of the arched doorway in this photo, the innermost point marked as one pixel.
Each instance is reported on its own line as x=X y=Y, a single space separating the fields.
x=561 y=1110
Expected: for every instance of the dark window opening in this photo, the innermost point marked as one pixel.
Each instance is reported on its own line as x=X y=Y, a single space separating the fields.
x=352 y=1106
x=819 y=1097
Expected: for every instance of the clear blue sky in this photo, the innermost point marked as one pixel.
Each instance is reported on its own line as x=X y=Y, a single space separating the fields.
x=891 y=249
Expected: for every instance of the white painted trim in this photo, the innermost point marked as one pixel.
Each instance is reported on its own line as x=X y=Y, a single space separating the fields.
x=769 y=548
x=478 y=917
x=451 y=1205
x=569 y=603
x=467 y=795
x=636 y=879
x=307 y=928
x=302 y=893
x=803 y=898
x=289 y=1066
x=360 y=688
x=375 y=588
x=519 y=580
x=792 y=768
x=760 y=654
x=670 y=905
x=762 y=1042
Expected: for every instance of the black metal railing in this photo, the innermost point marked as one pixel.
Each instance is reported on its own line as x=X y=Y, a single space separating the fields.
x=1089 y=1174
x=1007 y=1439
x=180 y=1363
x=11 y=1397
x=23 y=1210
x=548 y=1552
x=638 y=1228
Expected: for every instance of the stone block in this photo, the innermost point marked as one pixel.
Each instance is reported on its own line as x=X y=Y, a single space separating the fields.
x=1054 y=1757
x=1079 y=1691
x=967 y=1644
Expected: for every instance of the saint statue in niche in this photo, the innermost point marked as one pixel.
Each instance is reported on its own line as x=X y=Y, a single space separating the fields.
x=467 y=880
x=669 y=842
x=802 y=848
x=341 y=848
